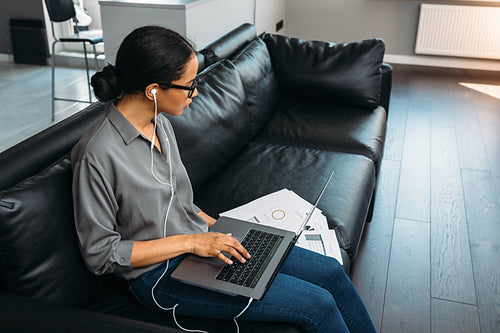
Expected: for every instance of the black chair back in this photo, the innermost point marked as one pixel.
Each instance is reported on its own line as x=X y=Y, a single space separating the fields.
x=60 y=10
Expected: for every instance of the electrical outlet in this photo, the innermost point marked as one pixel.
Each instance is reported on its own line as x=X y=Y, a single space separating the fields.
x=279 y=25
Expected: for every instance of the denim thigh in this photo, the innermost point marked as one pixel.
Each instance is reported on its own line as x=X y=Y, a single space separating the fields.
x=297 y=295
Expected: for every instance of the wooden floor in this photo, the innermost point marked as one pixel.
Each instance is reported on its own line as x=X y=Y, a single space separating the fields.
x=429 y=260
x=25 y=99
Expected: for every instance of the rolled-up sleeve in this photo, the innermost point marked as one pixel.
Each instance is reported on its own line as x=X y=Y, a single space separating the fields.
x=196 y=208
x=95 y=208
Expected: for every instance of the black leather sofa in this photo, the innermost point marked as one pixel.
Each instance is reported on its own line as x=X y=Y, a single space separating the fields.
x=272 y=112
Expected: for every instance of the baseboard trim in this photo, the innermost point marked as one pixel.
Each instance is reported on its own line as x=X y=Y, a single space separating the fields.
x=6 y=57
x=449 y=62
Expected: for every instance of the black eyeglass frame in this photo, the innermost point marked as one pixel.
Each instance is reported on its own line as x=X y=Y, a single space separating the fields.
x=191 y=89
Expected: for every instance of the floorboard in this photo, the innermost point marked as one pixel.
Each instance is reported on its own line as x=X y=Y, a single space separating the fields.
x=370 y=274
x=25 y=92
x=407 y=301
x=469 y=137
x=441 y=113
x=451 y=265
x=452 y=317
x=414 y=185
x=396 y=125
x=489 y=120
x=483 y=216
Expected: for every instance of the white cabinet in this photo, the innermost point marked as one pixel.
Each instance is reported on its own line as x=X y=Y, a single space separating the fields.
x=201 y=21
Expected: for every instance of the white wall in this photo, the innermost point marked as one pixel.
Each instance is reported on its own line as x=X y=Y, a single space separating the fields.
x=212 y=19
x=201 y=22
x=346 y=20
x=268 y=13
x=92 y=6
x=395 y=21
x=351 y=20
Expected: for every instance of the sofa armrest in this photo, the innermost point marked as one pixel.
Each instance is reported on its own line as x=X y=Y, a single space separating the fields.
x=227 y=45
x=34 y=154
x=385 y=91
x=20 y=314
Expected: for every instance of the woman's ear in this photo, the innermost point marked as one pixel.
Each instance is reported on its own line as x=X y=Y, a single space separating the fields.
x=151 y=90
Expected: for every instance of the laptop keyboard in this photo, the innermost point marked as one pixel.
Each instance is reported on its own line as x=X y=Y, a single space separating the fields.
x=261 y=246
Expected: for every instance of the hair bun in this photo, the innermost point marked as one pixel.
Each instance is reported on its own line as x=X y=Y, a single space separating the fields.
x=106 y=85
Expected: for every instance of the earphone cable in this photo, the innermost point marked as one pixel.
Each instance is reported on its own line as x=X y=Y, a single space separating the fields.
x=165 y=224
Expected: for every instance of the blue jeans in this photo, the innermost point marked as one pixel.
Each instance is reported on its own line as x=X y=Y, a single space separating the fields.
x=311 y=291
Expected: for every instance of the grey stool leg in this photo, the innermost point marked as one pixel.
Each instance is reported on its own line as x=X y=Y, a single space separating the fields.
x=87 y=68
x=95 y=57
x=53 y=64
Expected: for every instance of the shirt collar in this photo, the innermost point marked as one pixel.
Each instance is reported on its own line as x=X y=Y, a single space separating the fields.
x=126 y=130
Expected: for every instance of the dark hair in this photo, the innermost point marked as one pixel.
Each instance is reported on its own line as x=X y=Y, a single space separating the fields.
x=147 y=55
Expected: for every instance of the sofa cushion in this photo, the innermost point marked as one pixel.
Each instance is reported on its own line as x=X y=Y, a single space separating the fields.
x=256 y=72
x=229 y=44
x=216 y=125
x=348 y=72
x=39 y=254
x=328 y=126
x=265 y=168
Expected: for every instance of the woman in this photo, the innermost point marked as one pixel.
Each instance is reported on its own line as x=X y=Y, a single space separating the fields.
x=134 y=210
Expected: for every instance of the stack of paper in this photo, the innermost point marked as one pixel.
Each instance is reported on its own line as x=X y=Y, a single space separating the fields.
x=285 y=209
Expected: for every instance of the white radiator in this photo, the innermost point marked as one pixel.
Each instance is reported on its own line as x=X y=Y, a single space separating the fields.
x=461 y=31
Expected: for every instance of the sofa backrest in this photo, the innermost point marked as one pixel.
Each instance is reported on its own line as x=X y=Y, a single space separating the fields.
x=230 y=43
x=216 y=125
x=261 y=86
x=201 y=61
x=39 y=253
x=347 y=73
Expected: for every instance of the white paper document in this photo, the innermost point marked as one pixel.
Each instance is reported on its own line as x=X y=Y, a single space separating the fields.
x=285 y=209
x=324 y=242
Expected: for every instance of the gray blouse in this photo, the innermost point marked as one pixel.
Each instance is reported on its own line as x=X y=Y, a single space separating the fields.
x=117 y=199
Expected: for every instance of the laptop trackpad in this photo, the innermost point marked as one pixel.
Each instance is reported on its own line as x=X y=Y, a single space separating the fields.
x=211 y=260
x=199 y=266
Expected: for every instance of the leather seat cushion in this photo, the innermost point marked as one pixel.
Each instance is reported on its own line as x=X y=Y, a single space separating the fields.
x=39 y=254
x=266 y=168
x=329 y=126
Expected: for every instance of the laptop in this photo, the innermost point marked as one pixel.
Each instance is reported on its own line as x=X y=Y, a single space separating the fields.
x=268 y=246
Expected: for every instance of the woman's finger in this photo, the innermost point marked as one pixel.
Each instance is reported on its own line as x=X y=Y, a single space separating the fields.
x=242 y=252
x=222 y=257
x=236 y=254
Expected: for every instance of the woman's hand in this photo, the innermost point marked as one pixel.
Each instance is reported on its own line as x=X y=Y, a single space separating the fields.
x=212 y=244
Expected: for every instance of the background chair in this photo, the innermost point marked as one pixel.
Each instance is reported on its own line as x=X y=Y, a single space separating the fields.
x=60 y=11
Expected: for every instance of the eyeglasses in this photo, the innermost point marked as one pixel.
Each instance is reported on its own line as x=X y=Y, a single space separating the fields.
x=191 y=89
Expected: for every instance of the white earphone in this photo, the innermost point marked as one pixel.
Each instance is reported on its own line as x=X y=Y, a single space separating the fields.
x=153 y=91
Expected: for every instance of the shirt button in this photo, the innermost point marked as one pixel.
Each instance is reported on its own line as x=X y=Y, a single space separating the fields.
x=122 y=261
